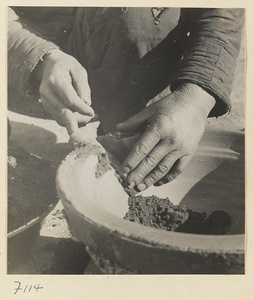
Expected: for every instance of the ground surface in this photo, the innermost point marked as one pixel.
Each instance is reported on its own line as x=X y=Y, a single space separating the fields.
x=55 y=251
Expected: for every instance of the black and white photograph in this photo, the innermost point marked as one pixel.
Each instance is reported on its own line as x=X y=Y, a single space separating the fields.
x=126 y=140
x=126 y=147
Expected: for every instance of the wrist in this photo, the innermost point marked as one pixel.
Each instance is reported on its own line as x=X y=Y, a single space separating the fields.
x=195 y=97
x=40 y=67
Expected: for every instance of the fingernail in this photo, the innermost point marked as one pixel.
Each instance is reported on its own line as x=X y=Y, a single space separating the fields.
x=87 y=102
x=124 y=176
x=142 y=187
x=131 y=185
x=159 y=183
x=119 y=125
x=125 y=170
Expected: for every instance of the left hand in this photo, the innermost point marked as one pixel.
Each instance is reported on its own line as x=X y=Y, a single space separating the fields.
x=173 y=126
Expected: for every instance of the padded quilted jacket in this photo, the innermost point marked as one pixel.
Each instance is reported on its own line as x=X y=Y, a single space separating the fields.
x=210 y=40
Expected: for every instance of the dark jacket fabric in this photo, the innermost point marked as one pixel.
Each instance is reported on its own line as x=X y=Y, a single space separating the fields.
x=211 y=52
x=190 y=44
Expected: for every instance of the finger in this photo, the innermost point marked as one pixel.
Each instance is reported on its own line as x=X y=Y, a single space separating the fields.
x=136 y=122
x=129 y=142
x=149 y=163
x=141 y=149
x=66 y=92
x=60 y=113
x=160 y=171
x=80 y=84
x=82 y=119
x=176 y=170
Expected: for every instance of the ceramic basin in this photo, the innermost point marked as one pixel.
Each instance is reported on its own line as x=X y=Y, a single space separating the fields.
x=215 y=179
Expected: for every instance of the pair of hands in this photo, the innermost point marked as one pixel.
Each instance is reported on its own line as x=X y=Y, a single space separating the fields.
x=173 y=126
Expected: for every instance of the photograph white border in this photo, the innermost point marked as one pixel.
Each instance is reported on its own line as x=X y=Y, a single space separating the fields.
x=132 y=286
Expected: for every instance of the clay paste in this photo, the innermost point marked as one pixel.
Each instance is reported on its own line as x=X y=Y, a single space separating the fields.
x=162 y=214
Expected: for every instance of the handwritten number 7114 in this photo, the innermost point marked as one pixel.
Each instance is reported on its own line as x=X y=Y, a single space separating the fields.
x=26 y=288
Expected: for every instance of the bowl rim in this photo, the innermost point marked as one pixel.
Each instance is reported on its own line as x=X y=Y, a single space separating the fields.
x=31 y=223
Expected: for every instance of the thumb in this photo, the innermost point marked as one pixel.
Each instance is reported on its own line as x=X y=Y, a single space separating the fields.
x=136 y=122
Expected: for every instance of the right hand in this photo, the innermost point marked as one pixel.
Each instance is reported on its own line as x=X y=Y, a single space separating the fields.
x=64 y=90
x=172 y=128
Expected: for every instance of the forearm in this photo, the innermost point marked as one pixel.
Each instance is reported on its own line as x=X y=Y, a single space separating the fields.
x=25 y=50
x=210 y=55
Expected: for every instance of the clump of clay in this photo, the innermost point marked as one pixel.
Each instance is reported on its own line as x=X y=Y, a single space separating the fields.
x=31 y=187
x=91 y=148
x=155 y=212
x=162 y=214
x=103 y=165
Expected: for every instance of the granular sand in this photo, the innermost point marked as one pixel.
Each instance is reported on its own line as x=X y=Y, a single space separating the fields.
x=162 y=214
